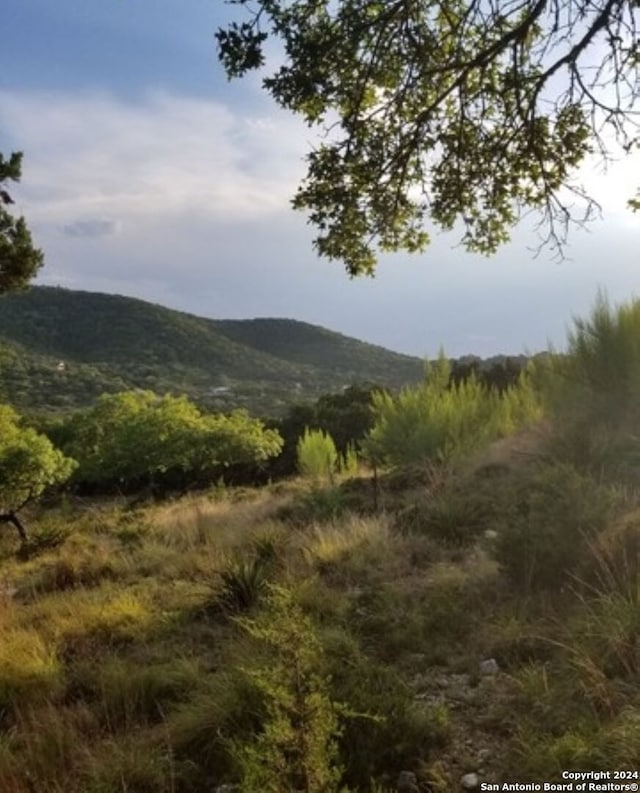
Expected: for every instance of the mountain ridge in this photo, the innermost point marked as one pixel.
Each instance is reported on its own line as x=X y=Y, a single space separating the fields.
x=110 y=340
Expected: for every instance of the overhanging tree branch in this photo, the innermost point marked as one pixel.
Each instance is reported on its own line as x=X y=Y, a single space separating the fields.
x=453 y=112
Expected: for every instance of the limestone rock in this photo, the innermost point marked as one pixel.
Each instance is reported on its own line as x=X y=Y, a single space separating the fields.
x=470 y=781
x=489 y=667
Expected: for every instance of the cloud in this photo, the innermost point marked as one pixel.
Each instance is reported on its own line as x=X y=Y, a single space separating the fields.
x=98 y=156
x=185 y=202
x=92 y=228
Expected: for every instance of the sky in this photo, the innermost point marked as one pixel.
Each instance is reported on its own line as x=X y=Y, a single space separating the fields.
x=146 y=173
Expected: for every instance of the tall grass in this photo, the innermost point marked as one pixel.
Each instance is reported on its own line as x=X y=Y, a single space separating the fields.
x=29 y=667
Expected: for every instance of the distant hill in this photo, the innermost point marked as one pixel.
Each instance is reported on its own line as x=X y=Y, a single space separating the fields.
x=59 y=349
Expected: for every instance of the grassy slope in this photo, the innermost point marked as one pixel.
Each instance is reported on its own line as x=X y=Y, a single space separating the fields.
x=118 y=340
x=119 y=668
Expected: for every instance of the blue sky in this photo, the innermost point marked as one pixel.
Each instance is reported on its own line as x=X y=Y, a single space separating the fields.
x=147 y=174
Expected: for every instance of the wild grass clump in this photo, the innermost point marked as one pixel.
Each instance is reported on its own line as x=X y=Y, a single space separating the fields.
x=72 y=570
x=242 y=584
x=203 y=730
x=127 y=763
x=426 y=616
x=330 y=546
x=221 y=522
x=30 y=669
x=318 y=504
x=454 y=513
x=602 y=645
x=245 y=578
x=124 y=693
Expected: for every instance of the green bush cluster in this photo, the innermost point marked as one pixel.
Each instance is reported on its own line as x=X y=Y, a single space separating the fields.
x=136 y=439
x=440 y=420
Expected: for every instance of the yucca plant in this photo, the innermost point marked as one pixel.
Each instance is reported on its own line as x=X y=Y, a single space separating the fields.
x=243 y=581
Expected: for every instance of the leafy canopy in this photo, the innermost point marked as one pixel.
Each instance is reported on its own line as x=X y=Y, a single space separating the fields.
x=462 y=111
x=29 y=463
x=138 y=436
x=19 y=260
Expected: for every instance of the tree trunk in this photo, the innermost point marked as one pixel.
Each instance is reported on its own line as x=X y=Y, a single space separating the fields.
x=11 y=517
x=375 y=488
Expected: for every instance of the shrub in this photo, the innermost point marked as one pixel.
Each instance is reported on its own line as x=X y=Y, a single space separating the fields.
x=544 y=538
x=441 y=421
x=317 y=455
x=593 y=390
x=296 y=748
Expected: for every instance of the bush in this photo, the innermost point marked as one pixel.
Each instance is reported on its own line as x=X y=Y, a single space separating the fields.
x=594 y=390
x=440 y=421
x=545 y=537
x=296 y=748
x=317 y=455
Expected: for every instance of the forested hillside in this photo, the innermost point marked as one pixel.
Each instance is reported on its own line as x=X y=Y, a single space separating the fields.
x=63 y=348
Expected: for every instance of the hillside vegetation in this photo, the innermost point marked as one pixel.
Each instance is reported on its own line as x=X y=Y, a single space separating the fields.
x=439 y=614
x=111 y=343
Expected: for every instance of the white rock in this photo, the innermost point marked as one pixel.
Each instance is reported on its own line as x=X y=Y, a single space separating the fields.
x=489 y=667
x=470 y=781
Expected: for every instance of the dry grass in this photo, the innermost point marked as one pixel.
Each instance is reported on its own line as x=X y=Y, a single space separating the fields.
x=331 y=543
x=195 y=521
x=107 y=649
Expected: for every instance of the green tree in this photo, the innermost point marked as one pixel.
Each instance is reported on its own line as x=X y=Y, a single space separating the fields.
x=19 y=260
x=593 y=391
x=346 y=416
x=317 y=455
x=29 y=464
x=137 y=438
x=466 y=113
